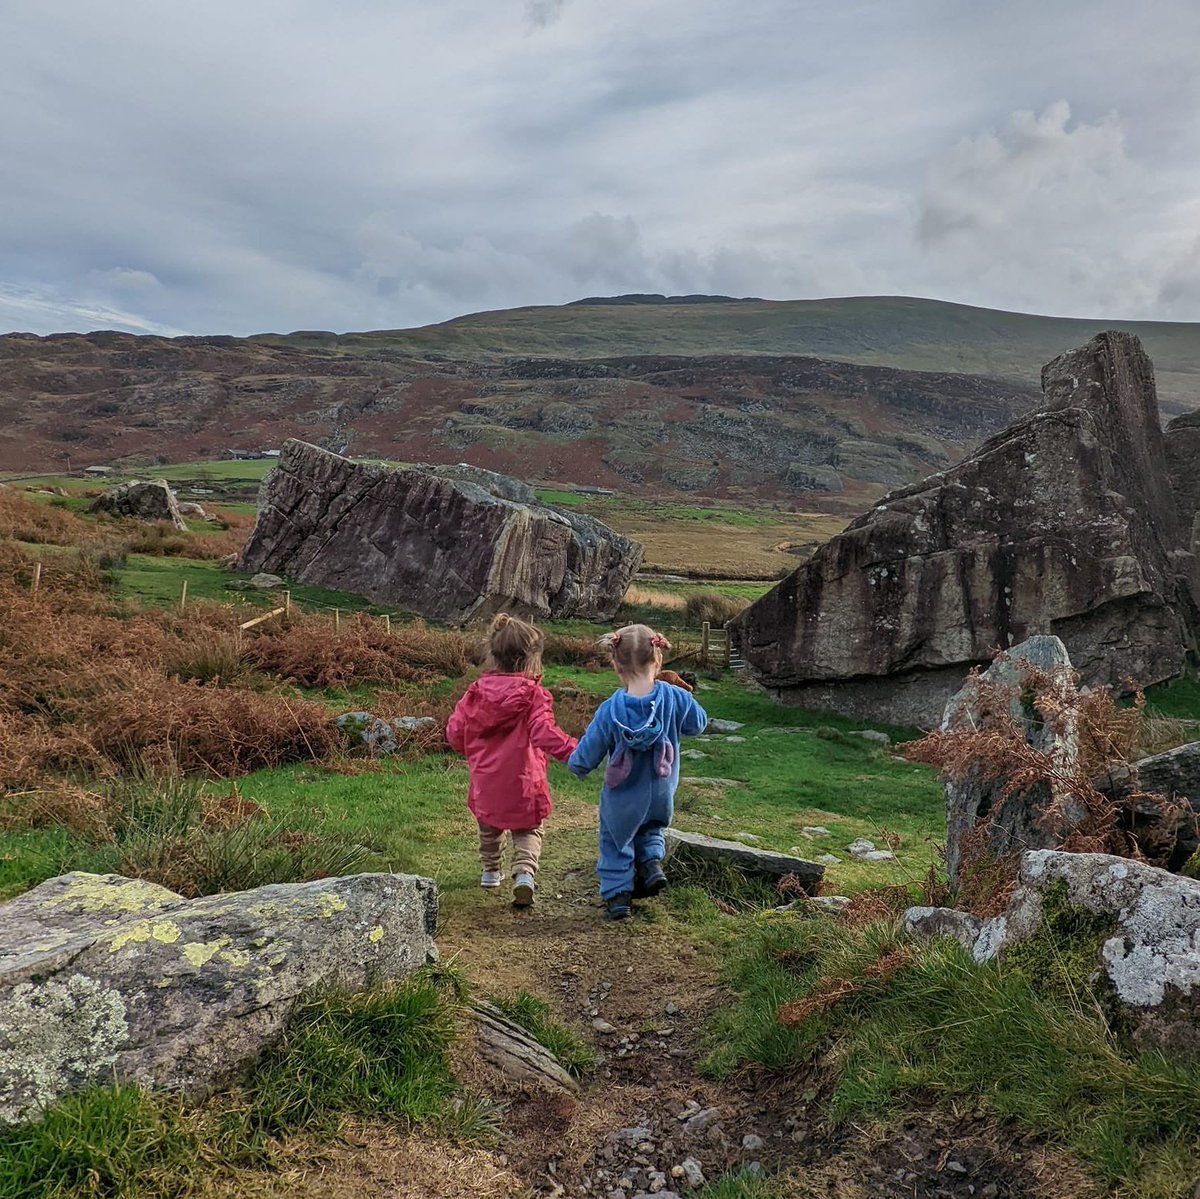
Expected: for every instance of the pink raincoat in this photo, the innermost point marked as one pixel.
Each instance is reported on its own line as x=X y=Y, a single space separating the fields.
x=504 y=726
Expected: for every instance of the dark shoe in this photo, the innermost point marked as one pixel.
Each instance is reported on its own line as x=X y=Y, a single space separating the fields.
x=650 y=880
x=618 y=907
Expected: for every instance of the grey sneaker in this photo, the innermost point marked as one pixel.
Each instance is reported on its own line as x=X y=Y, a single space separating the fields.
x=491 y=879
x=523 y=889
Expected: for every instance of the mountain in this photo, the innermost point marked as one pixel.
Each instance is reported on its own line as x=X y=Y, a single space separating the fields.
x=815 y=402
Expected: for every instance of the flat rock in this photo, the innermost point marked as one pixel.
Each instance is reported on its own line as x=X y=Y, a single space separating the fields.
x=447 y=548
x=1063 y=524
x=103 y=977
x=716 y=725
x=746 y=857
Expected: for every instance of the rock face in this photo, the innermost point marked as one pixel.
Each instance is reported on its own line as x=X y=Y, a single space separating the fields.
x=974 y=802
x=1063 y=524
x=1149 y=957
x=1183 y=465
x=104 y=977
x=144 y=501
x=445 y=548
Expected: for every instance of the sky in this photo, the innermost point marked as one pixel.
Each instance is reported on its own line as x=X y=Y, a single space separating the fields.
x=243 y=166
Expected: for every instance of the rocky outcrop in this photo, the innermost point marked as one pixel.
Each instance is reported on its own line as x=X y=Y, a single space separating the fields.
x=1146 y=953
x=1063 y=524
x=104 y=978
x=975 y=802
x=143 y=501
x=1183 y=466
x=445 y=548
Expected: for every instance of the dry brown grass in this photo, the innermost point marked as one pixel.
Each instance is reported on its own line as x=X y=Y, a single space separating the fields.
x=650 y=598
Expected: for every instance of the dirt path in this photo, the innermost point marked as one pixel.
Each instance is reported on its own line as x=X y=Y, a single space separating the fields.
x=646 y=1120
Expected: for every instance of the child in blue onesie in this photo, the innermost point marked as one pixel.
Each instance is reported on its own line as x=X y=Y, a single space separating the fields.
x=638 y=729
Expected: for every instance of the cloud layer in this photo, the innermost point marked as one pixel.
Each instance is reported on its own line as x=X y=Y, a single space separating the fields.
x=381 y=163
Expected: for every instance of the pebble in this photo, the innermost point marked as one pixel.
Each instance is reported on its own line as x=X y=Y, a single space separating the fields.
x=602 y=1025
x=704 y=1119
x=631 y=1136
x=692 y=1172
x=815 y=830
x=991 y=1191
x=724 y=726
x=735 y=740
x=752 y=1142
x=953 y=1166
x=829 y=859
x=672 y=1010
x=754 y=1168
x=693 y=755
x=748 y=838
x=876 y=736
x=877 y=855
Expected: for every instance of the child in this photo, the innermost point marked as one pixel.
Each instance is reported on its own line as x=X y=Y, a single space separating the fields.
x=638 y=727
x=505 y=727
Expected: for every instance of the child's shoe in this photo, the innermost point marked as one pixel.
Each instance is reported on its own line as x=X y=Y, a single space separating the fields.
x=619 y=907
x=523 y=889
x=491 y=879
x=649 y=881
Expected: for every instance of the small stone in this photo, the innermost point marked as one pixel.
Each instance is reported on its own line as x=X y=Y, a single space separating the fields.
x=877 y=855
x=602 y=1026
x=692 y=1172
x=956 y=1167
x=704 y=1119
x=723 y=726
x=735 y=740
x=816 y=830
x=672 y=1010
x=876 y=736
x=991 y=1191
x=748 y=838
x=694 y=755
x=751 y=1142
x=829 y=859
x=676 y=1171
x=860 y=846
x=754 y=1168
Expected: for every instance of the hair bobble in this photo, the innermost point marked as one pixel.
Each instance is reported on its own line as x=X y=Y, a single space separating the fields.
x=660 y=642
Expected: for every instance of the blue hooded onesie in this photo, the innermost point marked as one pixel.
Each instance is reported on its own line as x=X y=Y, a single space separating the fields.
x=640 y=736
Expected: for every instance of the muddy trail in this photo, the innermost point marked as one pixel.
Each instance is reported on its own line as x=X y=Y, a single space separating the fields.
x=647 y=1120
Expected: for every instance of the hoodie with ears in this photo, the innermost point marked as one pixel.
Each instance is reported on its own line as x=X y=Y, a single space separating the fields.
x=504 y=726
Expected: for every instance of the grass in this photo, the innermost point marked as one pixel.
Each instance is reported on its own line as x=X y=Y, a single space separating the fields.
x=386 y=1053
x=942 y=1027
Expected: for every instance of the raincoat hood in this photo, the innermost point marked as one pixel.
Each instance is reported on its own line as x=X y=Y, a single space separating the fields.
x=499 y=702
x=637 y=728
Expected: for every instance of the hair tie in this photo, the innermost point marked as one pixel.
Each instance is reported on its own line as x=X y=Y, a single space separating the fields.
x=616 y=639
x=660 y=642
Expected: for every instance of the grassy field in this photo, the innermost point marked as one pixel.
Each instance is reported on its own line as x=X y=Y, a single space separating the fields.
x=915 y=334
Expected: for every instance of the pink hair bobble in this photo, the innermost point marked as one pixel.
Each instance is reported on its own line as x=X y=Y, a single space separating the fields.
x=615 y=639
x=660 y=642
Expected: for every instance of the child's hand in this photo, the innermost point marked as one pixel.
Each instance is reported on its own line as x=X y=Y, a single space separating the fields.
x=669 y=676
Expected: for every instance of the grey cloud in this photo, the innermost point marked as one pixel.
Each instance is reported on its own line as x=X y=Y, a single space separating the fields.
x=541 y=13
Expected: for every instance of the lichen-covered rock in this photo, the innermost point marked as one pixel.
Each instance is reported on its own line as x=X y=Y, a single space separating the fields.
x=974 y=802
x=764 y=862
x=443 y=547
x=381 y=736
x=1063 y=524
x=1151 y=959
x=104 y=977
x=145 y=501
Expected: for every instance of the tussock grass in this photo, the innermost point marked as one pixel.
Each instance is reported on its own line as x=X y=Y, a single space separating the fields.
x=537 y=1019
x=712 y=607
x=940 y=1026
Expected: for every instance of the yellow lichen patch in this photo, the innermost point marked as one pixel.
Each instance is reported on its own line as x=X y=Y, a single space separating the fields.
x=330 y=904
x=93 y=893
x=200 y=953
x=164 y=982
x=375 y=935
x=167 y=932
x=236 y=957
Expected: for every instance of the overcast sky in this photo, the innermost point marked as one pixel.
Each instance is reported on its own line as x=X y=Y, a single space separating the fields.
x=239 y=166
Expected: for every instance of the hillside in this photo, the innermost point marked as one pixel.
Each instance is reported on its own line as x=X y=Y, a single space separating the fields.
x=897 y=331
x=822 y=403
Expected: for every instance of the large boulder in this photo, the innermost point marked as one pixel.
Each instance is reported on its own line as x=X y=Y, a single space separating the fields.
x=1145 y=951
x=443 y=547
x=1063 y=524
x=975 y=804
x=104 y=978
x=153 y=500
x=1183 y=465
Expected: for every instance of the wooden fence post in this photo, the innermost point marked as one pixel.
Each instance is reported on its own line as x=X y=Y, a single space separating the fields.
x=37 y=578
x=287 y=602
x=704 y=634
x=337 y=620
x=387 y=623
x=183 y=595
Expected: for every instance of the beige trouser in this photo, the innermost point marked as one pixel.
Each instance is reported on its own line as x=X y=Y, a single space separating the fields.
x=526 y=848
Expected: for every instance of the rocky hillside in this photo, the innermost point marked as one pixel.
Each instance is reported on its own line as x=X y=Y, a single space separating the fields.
x=823 y=402
x=769 y=427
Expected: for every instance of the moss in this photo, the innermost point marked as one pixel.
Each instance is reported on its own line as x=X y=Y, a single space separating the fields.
x=1062 y=958
x=1191 y=868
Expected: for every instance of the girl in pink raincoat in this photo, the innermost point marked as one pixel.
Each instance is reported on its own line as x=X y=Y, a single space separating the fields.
x=504 y=726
